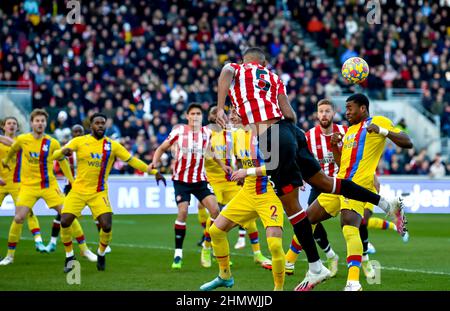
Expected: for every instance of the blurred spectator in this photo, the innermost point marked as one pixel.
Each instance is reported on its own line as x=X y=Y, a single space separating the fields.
x=437 y=168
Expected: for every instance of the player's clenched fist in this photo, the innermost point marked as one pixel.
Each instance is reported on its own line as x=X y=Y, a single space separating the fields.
x=336 y=138
x=67 y=152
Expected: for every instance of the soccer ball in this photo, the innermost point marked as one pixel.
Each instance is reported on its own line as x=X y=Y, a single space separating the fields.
x=355 y=70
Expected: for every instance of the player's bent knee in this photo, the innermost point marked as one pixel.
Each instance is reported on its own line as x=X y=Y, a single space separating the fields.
x=216 y=233
x=19 y=219
x=275 y=247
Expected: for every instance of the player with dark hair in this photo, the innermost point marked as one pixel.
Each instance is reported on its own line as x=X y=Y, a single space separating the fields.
x=191 y=142
x=362 y=147
x=95 y=157
x=259 y=97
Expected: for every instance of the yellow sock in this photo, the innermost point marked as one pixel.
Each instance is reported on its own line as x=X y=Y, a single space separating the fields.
x=15 y=231
x=202 y=216
x=105 y=240
x=378 y=223
x=252 y=232
x=33 y=225
x=66 y=238
x=354 y=252
x=78 y=234
x=221 y=250
x=207 y=233
x=294 y=250
x=278 y=259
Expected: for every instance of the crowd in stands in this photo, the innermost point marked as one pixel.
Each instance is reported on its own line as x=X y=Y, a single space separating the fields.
x=406 y=43
x=142 y=62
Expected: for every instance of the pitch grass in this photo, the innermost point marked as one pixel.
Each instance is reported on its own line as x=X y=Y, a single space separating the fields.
x=142 y=256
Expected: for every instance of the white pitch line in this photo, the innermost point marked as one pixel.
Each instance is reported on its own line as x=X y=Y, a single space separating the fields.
x=249 y=255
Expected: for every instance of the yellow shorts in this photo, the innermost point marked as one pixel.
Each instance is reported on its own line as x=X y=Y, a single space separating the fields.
x=5 y=191
x=333 y=204
x=98 y=202
x=245 y=207
x=225 y=191
x=28 y=196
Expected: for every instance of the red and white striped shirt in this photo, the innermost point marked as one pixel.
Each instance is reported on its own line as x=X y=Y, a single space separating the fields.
x=320 y=146
x=254 y=91
x=190 y=153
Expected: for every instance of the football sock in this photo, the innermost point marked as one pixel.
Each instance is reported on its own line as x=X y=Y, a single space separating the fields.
x=105 y=240
x=252 y=231
x=364 y=234
x=350 y=190
x=321 y=237
x=56 y=226
x=354 y=251
x=33 y=225
x=66 y=238
x=294 y=250
x=78 y=234
x=378 y=223
x=207 y=242
x=202 y=216
x=278 y=258
x=303 y=231
x=180 y=233
x=15 y=231
x=221 y=250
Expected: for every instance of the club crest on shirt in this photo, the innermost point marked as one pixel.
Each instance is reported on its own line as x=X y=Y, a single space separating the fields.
x=45 y=148
x=107 y=147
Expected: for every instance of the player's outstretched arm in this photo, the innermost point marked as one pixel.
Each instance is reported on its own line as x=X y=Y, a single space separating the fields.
x=401 y=139
x=5 y=140
x=286 y=108
x=225 y=79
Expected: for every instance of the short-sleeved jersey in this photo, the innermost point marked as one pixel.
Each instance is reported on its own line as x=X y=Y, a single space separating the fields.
x=246 y=149
x=362 y=151
x=190 y=150
x=222 y=147
x=95 y=157
x=13 y=175
x=320 y=146
x=254 y=92
x=33 y=160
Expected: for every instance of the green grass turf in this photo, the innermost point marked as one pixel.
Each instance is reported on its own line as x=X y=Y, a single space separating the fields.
x=142 y=255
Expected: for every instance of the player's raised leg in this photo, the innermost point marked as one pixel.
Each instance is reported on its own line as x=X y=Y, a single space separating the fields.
x=317 y=272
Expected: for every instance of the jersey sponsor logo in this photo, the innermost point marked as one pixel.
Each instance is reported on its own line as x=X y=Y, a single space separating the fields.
x=34 y=155
x=244 y=153
x=97 y=156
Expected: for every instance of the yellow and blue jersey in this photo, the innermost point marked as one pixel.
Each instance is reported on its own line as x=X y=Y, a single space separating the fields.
x=95 y=159
x=222 y=147
x=246 y=149
x=361 y=151
x=34 y=157
x=10 y=177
